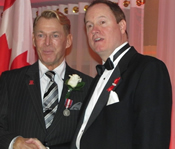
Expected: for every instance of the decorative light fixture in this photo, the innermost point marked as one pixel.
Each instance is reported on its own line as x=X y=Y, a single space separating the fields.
x=57 y=9
x=115 y=3
x=86 y=7
x=75 y=9
x=140 y=2
x=66 y=10
x=126 y=3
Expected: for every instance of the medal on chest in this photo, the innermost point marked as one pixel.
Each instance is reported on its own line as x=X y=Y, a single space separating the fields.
x=67 y=104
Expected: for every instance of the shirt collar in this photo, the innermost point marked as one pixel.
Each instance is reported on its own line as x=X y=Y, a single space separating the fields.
x=60 y=70
x=115 y=51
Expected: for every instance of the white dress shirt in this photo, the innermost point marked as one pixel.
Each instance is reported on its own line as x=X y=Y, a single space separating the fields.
x=97 y=92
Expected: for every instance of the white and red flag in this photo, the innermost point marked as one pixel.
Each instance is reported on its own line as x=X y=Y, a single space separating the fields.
x=16 y=49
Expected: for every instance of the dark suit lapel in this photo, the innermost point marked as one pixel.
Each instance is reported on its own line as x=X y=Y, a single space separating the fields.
x=102 y=101
x=63 y=94
x=33 y=85
x=124 y=62
x=83 y=108
x=88 y=97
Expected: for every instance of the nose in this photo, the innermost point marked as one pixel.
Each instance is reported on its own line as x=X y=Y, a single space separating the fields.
x=95 y=30
x=48 y=40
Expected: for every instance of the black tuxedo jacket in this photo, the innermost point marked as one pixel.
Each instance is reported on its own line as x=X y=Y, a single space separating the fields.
x=141 y=118
x=21 y=112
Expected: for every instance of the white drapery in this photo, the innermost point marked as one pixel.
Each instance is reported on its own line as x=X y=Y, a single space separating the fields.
x=165 y=48
x=80 y=56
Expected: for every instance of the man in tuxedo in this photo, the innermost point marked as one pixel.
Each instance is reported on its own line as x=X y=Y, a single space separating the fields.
x=25 y=109
x=129 y=106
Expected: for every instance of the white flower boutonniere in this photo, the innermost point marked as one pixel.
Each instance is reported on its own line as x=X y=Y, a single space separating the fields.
x=74 y=83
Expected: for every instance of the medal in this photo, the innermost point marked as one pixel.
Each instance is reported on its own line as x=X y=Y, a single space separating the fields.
x=67 y=104
x=66 y=112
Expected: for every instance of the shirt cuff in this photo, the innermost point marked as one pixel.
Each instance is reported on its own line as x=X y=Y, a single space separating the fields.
x=12 y=142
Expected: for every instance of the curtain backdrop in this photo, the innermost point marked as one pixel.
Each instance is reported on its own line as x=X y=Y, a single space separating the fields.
x=80 y=56
x=165 y=48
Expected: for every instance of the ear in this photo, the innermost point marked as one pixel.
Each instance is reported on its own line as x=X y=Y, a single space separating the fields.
x=33 y=40
x=69 y=40
x=122 y=25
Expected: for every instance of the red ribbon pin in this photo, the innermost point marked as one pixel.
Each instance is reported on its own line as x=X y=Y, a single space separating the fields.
x=31 y=82
x=113 y=84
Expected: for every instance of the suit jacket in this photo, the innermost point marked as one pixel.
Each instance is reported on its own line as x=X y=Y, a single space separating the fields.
x=21 y=112
x=141 y=117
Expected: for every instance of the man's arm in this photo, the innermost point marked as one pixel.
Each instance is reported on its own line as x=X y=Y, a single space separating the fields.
x=5 y=136
x=152 y=107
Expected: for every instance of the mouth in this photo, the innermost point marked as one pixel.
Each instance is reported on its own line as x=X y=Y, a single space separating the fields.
x=47 y=51
x=98 y=39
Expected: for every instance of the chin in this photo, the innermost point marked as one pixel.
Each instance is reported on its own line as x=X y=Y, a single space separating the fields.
x=98 y=51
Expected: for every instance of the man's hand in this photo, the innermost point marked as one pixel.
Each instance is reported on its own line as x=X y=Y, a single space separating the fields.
x=20 y=143
x=36 y=142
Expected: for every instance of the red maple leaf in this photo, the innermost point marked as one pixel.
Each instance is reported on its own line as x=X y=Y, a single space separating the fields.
x=5 y=54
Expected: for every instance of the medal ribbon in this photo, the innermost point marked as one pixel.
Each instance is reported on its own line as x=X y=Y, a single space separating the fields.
x=113 y=84
x=68 y=103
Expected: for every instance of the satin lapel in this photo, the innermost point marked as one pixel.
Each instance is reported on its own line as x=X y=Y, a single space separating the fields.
x=124 y=62
x=83 y=108
x=33 y=85
x=89 y=94
x=102 y=101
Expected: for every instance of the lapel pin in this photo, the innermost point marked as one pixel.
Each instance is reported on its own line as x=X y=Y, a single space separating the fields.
x=113 y=84
x=31 y=82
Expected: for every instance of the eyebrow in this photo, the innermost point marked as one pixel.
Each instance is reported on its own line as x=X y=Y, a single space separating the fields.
x=49 y=33
x=97 y=18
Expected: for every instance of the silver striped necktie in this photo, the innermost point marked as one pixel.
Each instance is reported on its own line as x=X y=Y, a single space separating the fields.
x=50 y=100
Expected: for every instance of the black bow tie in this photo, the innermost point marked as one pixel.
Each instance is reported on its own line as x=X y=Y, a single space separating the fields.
x=109 y=64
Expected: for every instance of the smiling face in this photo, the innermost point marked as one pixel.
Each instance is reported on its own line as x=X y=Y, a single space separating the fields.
x=51 y=42
x=103 y=32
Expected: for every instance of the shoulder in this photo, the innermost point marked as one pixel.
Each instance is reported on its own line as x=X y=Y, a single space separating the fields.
x=150 y=61
x=15 y=71
x=141 y=60
x=19 y=72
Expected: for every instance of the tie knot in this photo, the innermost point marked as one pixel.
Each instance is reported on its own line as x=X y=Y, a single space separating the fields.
x=107 y=65
x=50 y=75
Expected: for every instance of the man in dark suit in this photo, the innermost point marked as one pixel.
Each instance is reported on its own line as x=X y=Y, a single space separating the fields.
x=22 y=91
x=129 y=106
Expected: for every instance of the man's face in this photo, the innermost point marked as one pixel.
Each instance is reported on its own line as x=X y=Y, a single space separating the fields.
x=103 y=32
x=51 y=42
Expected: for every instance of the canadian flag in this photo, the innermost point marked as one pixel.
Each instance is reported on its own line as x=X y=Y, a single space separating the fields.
x=16 y=49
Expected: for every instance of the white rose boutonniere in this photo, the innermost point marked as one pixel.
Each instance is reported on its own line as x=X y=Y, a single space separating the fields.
x=74 y=83
x=74 y=80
